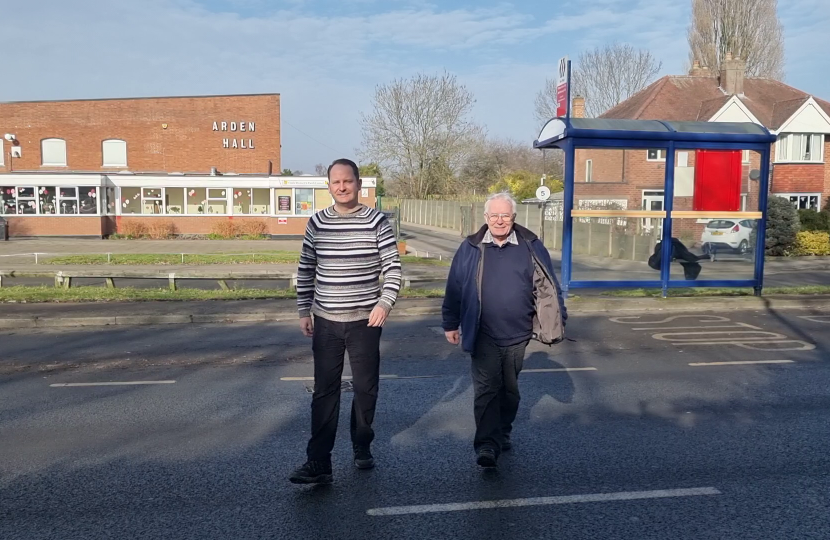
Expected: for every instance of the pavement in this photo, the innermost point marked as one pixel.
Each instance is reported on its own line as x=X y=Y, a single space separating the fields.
x=651 y=426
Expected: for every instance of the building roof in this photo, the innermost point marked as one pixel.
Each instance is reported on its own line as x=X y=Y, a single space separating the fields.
x=688 y=98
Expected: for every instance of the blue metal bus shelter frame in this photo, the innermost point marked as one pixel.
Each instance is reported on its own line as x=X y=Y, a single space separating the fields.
x=570 y=134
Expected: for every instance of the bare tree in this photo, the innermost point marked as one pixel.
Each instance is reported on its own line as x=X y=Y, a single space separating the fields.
x=605 y=77
x=749 y=29
x=492 y=160
x=320 y=169
x=419 y=131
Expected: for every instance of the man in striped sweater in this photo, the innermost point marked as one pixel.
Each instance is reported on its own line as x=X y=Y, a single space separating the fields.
x=346 y=248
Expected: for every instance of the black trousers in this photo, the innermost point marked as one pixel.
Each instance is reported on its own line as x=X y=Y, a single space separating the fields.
x=330 y=342
x=496 y=384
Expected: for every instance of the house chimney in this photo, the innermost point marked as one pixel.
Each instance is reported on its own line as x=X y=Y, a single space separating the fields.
x=695 y=71
x=732 y=72
x=578 y=107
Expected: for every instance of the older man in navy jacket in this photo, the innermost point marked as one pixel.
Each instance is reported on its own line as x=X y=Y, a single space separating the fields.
x=501 y=293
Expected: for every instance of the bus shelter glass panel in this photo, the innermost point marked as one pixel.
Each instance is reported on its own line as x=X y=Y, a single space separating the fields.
x=715 y=215
x=618 y=213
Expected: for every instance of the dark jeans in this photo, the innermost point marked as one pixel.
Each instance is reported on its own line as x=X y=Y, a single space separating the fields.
x=496 y=382
x=330 y=342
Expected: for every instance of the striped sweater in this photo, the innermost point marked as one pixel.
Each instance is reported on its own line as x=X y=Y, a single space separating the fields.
x=342 y=258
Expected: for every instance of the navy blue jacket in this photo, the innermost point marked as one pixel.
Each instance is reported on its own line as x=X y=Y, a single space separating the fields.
x=462 y=305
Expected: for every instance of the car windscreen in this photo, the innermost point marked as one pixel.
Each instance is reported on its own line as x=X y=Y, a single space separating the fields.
x=720 y=224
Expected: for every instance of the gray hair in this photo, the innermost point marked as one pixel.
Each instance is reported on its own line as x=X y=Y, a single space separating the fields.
x=503 y=196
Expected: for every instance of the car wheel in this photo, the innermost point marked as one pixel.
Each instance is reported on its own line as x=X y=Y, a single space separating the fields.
x=743 y=247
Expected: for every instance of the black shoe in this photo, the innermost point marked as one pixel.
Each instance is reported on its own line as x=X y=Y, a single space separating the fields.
x=506 y=445
x=363 y=457
x=486 y=458
x=313 y=472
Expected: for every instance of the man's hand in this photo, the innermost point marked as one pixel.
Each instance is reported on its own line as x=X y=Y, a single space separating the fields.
x=453 y=336
x=378 y=316
x=307 y=326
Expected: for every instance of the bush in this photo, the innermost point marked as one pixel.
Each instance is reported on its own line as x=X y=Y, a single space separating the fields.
x=814 y=221
x=223 y=229
x=161 y=230
x=253 y=227
x=782 y=226
x=132 y=229
x=812 y=243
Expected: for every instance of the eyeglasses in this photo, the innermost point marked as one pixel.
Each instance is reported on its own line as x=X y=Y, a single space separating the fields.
x=495 y=217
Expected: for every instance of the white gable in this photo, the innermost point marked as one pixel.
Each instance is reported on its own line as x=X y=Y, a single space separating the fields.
x=810 y=118
x=734 y=111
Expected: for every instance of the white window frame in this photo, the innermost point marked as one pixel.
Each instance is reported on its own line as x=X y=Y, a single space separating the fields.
x=104 y=153
x=18 y=199
x=60 y=200
x=166 y=207
x=43 y=162
x=295 y=202
x=224 y=198
x=589 y=170
x=160 y=199
x=745 y=156
x=660 y=152
x=2 y=153
x=789 y=196
x=786 y=142
x=648 y=223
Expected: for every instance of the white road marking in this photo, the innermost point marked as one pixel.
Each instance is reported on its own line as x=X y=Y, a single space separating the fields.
x=349 y=377
x=554 y=370
x=700 y=318
x=121 y=383
x=542 y=501
x=824 y=319
x=740 y=363
x=398 y=377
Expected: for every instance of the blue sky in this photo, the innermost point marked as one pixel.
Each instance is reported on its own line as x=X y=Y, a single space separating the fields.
x=326 y=57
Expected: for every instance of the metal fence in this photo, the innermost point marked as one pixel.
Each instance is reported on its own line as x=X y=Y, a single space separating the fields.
x=591 y=237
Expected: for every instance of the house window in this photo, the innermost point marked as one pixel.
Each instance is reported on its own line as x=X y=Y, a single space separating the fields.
x=174 y=200
x=800 y=148
x=251 y=201
x=151 y=201
x=656 y=154
x=26 y=200
x=88 y=199
x=53 y=153
x=589 y=171
x=67 y=200
x=304 y=201
x=745 y=156
x=114 y=152
x=803 y=201
x=48 y=199
x=2 y=153
x=8 y=201
x=217 y=201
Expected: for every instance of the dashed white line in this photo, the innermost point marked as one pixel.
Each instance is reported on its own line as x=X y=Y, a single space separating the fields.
x=119 y=383
x=740 y=363
x=349 y=378
x=555 y=370
x=542 y=501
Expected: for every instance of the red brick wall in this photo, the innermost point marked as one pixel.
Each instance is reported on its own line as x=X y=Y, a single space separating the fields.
x=187 y=144
x=798 y=178
x=55 y=226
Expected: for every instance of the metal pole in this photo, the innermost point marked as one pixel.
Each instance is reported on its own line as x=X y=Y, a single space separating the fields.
x=567 y=225
x=761 y=237
x=668 y=204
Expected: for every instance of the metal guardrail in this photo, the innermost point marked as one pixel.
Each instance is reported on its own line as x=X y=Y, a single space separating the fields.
x=63 y=279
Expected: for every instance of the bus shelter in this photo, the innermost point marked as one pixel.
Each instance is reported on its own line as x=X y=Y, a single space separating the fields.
x=631 y=185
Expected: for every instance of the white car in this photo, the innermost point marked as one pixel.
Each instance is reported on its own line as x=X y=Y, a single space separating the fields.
x=727 y=234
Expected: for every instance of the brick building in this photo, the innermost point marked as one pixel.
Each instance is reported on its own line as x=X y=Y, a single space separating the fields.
x=88 y=167
x=633 y=179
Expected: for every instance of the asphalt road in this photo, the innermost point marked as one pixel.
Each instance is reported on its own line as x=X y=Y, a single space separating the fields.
x=629 y=431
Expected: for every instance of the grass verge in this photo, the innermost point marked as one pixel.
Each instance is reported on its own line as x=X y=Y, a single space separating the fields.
x=166 y=259
x=23 y=294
